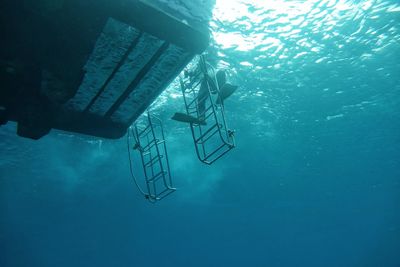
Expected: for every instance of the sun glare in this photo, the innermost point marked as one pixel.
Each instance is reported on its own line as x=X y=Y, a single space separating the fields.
x=244 y=24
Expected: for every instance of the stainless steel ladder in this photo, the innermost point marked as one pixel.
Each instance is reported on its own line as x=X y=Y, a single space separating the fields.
x=149 y=141
x=214 y=139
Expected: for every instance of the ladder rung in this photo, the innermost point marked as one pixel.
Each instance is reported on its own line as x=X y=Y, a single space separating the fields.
x=215 y=151
x=144 y=130
x=197 y=75
x=209 y=107
x=208 y=137
x=206 y=132
x=193 y=101
x=192 y=87
x=151 y=144
x=209 y=115
x=152 y=161
x=160 y=142
x=157 y=176
x=197 y=84
x=165 y=192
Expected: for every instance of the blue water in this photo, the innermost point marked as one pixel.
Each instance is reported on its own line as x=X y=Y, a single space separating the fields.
x=314 y=180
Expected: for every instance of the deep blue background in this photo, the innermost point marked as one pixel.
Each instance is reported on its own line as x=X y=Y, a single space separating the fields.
x=314 y=180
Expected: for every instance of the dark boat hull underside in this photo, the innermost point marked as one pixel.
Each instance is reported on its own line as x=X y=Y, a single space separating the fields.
x=89 y=67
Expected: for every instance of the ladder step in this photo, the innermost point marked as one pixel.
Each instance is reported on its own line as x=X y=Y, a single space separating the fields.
x=193 y=102
x=215 y=151
x=209 y=107
x=157 y=177
x=165 y=192
x=197 y=84
x=202 y=141
x=154 y=160
x=160 y=142
x=206 y=132
x=209 y=115
x=144 y=130
x=150 y=145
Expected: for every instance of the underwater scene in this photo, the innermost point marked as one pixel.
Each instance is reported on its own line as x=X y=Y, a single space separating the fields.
x=304 y=98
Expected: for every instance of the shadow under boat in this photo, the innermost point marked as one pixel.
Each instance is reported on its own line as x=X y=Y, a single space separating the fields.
x=89 y=67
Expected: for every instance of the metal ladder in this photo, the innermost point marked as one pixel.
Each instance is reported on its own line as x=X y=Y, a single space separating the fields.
x=150 y=142
x=214 y=139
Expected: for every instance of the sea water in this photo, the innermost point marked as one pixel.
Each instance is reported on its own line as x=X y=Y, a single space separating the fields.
x=314 y=179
